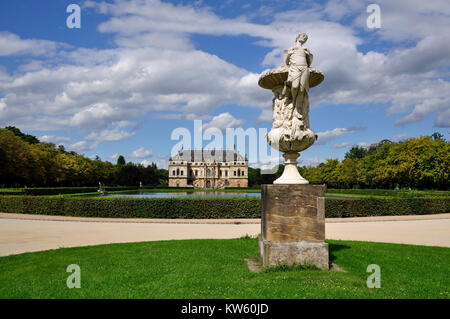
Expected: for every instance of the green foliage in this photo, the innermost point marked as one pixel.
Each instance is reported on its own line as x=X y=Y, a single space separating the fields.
x=25 y=162
x=391 y=193
x=437 y=136
x=356 y=152
x=128 y=208
x=385 y=207
x=418 y=163
x=59 y=190
x=121 y=160
x=25 y=137
x=208 y=208
x=215 y=268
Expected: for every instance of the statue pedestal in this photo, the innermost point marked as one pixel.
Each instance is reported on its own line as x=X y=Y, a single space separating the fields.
x=290 y=174
x=293 y=225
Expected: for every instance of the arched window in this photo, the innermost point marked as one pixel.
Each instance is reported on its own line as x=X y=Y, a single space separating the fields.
x=178 y=171
x=181 y=173
x=234 y=173
x=173 y=173
x=208 y=172
x=239 y=172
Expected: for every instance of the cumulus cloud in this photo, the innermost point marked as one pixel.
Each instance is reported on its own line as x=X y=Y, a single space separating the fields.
x=146 y=163
x=12 y=45
x=141 y=153
x=94 y=139
x=324 y=137
x=310 y=161
x=54 y=139
x=95 y=90
x=341 y=145
x=82 y=146
x=222 y=121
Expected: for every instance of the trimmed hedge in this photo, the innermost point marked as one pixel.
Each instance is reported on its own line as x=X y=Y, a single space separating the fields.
x=59 y=190
x=390 y=192
x=208 y=208
x=129 y=207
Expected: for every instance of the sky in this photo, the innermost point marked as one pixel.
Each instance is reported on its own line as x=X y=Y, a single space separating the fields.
x=136 y=70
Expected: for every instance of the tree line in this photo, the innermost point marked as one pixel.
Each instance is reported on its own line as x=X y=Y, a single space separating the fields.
x=26 y=161
x=417 y=163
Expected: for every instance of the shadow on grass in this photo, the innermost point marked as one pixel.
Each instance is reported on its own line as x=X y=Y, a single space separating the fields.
x=332 y=248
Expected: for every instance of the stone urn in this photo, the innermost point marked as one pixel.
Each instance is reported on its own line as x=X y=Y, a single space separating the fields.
x=290 y=131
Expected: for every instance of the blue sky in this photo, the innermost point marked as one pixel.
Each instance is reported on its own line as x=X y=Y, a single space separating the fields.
x=137 y=70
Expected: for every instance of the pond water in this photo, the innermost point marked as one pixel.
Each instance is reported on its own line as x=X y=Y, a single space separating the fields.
x=193 y=194
x=197 y=194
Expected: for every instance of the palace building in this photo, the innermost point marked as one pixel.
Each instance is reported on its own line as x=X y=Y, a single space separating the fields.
x=208 y=169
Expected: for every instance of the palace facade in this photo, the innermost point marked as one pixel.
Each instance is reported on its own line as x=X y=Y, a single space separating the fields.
x=208 y=169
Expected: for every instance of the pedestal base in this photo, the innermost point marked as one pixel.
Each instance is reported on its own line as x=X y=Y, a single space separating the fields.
x=293 y=225
x=290 y=174
x=290 y=253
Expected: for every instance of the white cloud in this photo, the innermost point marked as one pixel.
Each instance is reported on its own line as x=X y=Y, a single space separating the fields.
x=146 y=163
x=443 y=119
x=141 y=153
x=54 y=139
x=325 y=136
x=82 y=146
x=223 y=121
x=96 y=90
x=12 y=44
x=91 y=141
x=310 y=161
x=341 y=145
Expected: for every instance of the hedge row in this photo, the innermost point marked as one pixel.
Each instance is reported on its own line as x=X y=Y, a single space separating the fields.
x=129 y=207
x=390 y=192
x=208 y=208
x=59 y=190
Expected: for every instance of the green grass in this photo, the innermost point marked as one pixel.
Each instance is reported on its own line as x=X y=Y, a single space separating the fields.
x=216 y=269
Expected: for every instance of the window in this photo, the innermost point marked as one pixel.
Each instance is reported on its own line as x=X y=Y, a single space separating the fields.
x=239 y=172
x=234 y=173
x=220 y=173
x=226 y=173
x=178 y=171
x=181 y=173
x=196 y=172
x=208 y=172
x=173 y=172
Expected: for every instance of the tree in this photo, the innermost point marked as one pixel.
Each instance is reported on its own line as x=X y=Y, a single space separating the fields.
x=121 y=160
x=437 y=136
x=25 y=137
x=356 y=152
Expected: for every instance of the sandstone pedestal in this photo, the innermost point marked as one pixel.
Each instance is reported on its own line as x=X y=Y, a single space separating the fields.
x=293 y=225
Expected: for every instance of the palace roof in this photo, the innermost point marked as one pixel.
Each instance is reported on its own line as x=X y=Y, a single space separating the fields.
x=207 y=156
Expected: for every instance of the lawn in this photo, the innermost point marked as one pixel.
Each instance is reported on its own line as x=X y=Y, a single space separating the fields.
x=216 y=269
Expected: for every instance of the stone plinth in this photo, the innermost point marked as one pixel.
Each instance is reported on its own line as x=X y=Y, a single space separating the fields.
x=293 y=225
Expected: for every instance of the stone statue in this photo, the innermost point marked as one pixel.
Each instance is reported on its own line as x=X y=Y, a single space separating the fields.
x=290 y=84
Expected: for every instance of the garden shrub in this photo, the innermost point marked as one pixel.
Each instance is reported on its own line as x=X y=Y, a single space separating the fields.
x=208 y=208
x=60 y=190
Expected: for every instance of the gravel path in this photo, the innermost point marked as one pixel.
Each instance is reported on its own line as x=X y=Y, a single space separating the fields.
x=26 y=233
